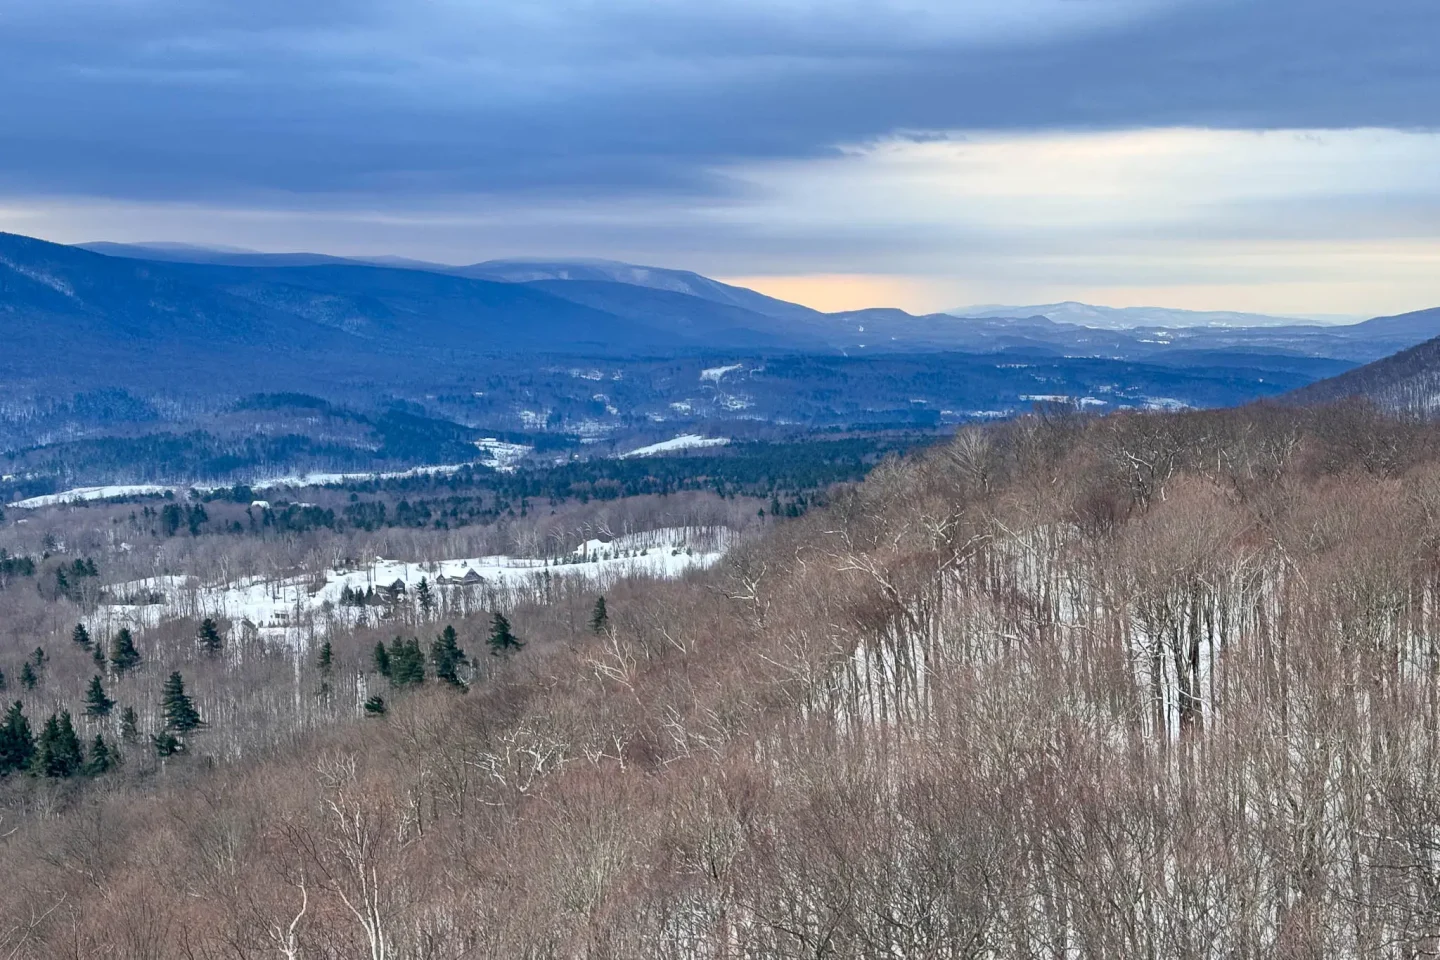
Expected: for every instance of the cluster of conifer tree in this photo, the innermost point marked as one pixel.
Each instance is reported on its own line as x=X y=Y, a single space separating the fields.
x=56 y=753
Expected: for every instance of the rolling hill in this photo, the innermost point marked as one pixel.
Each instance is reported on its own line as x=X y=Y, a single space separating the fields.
x=1406 y=382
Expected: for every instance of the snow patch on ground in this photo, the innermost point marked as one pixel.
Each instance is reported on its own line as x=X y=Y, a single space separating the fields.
x=501 y=455
x=288 y=609
x=83 y=494
x=689 y=441
x=330 y=479
x=715 y=373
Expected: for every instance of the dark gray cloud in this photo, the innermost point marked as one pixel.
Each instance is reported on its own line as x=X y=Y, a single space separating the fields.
x=322 y=101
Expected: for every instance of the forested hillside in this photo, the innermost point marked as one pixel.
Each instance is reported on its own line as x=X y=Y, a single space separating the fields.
x=1407 y=382
x=1149 y=685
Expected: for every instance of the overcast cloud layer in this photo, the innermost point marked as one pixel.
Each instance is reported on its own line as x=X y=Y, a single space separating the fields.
x=943 y=149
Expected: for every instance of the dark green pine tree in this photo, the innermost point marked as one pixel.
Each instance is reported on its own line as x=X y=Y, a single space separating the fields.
x=448 y=658
x=58 y=753
x=28 y=677
x=81 y=636
x=375 y=706
x=97 y=704
x=381 y=656
x=17 y=743
x=407 y=662
x=123 y=655
x=39 y=658
x=97 y=653
x=599 y=617
x=129 y=725
x=209 y=637
x=424 y=596
x=101 y=760
x=177 y=708
x=503 y=641
x=166 y=744
x=326 y=658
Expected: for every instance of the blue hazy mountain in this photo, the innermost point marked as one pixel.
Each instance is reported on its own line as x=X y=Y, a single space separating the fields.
x=65 y=308
x=683 y=282
x=656 y=278
x=341 y=313
x=1127 y=318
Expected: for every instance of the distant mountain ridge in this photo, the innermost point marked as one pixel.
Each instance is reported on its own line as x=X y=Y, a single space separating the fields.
x=412 y=311
x=1126 y=318
x=518 y=270
x=68 y=309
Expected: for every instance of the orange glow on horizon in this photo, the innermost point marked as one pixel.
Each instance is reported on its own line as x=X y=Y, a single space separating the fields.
x=832 y=292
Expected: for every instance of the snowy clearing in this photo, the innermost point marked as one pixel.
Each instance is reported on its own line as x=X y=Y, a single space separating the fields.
x=689 y=441
x=715 y=373
x=83 y=494
x=290 y=608
x=502 y=456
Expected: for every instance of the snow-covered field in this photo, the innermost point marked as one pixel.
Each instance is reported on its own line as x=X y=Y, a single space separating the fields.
x=326 y=479
x=496 y=454
x=689 y=441
x=290 y=608
x=501 y=455
x=715 y=373
x=80 y=494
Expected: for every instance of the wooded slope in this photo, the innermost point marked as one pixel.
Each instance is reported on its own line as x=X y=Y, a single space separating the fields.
x=1152 y=685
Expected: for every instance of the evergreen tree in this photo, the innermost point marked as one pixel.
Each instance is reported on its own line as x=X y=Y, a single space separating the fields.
x=123 y=655
x=39 y=658
x=177 y=708
x=129 y=725
x=209 y=637
x=502 y=639
x=97 y=704
x=166 y=744
x=101 y=760
x=381 y=656
x=424 y=596
x=599 y=617
x=326 y=658
x=81 y=636
x=28 y=677
x=17 y=743
x=448 y=658
x=375 y=706
x=407 y=662
x=58 y=752
x=97 y=653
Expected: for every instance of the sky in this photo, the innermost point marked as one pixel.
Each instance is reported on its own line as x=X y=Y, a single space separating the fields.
x=1277 y=156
